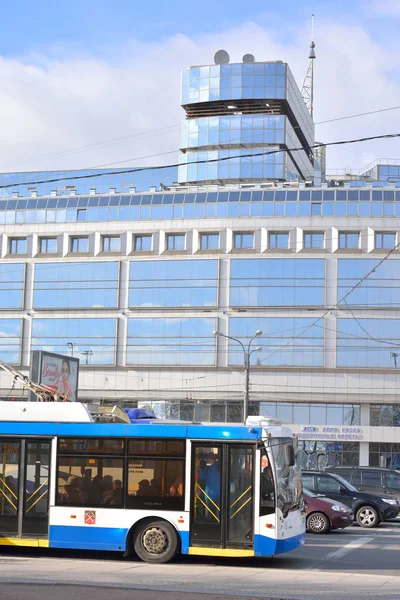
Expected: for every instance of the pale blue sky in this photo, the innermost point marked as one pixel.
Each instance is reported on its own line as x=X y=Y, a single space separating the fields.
x=88 y=25
x=80 y=72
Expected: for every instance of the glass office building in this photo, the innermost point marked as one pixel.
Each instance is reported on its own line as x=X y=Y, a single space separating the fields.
x=134 y=281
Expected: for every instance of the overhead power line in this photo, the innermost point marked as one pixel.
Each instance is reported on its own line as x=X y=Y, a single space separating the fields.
x=206 y=161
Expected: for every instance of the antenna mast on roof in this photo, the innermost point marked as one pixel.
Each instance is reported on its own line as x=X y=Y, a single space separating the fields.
x=307 y=90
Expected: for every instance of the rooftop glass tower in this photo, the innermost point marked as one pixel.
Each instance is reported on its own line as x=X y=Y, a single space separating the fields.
x=248 y=119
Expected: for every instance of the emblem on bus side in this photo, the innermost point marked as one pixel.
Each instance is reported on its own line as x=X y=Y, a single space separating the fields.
x=90 y=517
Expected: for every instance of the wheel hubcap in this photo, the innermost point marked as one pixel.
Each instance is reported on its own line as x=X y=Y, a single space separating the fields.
x=367 y=517
x=317 y=523
x=155 y=540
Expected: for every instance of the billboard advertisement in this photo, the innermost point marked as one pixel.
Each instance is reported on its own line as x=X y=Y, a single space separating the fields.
x=56 y=371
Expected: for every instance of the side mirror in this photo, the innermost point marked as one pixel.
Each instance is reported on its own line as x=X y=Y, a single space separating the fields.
x=290 y=457
x=343 y=490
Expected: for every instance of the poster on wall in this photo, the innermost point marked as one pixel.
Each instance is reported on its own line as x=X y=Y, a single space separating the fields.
x=56 y=371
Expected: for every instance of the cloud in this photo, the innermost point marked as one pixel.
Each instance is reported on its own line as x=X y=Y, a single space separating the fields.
x=50 y=105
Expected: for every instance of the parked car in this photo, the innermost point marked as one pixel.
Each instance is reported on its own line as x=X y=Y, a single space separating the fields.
x=376 y=480
x=324 y=514
x=369 y=509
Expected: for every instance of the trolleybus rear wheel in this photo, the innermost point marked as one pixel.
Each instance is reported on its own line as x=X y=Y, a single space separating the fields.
x=156 y=542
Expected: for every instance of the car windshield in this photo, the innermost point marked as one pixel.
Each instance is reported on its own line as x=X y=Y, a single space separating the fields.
x=309 y=493
x=344 y=482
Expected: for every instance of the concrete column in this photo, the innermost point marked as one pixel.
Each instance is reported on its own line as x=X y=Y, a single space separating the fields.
x=26 y=336
x=296 y=239
x=122 y=332
x=222 y=323
x=364 y=454
x=32 y=244
x=228 y=240
x=63 y=244
x=331 y=267
x=365 y=415
x=126 y=243
x=257 y=240
x=95 y=243
x=332 y=239
x=330 y=342
x=28 y=292
x=123 y=295
x=4 y=245
x=193 y=241
x=162 y=242
x=367 y=240
x=263 y=239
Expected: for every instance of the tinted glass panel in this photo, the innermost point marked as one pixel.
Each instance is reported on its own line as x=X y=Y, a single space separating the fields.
x=11 y=285
x=156 y=483
x=160 y=447
x=171 y=341
x=84 y=481
x=380 y=288
x=173 y=283
x=90 y=445
x=76 y=285
x=93 y=339
x=277 y=282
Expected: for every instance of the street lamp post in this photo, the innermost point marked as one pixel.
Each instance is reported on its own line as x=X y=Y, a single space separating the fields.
x=246 y=366
x=87 y=353
x=71 y=346
x=395 y=355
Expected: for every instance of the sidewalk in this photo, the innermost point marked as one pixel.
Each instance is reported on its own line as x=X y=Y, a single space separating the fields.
x=218 y=580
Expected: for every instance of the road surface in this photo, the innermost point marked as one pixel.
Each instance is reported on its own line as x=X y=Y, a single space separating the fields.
x=354 y=563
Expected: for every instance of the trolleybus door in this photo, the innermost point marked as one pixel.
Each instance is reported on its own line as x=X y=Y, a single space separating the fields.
x=222 y=495
x=36 y=490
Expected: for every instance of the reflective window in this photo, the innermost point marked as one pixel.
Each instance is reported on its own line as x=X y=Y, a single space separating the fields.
x=111 y=243
x=176 y=241
x=276 y=333
x=76 y=285
x=173 y=283
x=143 y=243
x=48 y=245
x=385 y=415
x=279 y=240
x=171 y=341
x=349 y=240
x=11 y=285
x=10 y=341
x=316 y=455
x=305 y=413
x=79 y=244
x=380 y=288
x=277 y=282
x=368 y=342
x=90 y=481
x=209 y=241
x=384 y=455
x=17 y=246
x=243 y=240
x=385 y=240
x=93 y=339
x=313 y=240
x=156 y=483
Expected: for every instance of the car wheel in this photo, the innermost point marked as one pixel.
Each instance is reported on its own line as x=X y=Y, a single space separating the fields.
x=156 y=542
x=318 y=523
x=367 y=516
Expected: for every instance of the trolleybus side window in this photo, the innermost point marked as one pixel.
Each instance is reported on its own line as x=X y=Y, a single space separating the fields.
x=156 y=470
x=87 y=475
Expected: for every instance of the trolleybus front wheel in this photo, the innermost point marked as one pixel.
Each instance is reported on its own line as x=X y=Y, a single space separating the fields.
x=156 y=542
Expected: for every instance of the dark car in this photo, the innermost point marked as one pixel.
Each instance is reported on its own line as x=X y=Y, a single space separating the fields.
x=369 y=509
x=324 y=514
x=376 y=480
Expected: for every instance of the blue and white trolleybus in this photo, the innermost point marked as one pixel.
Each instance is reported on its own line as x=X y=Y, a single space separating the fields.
x=154 y=489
